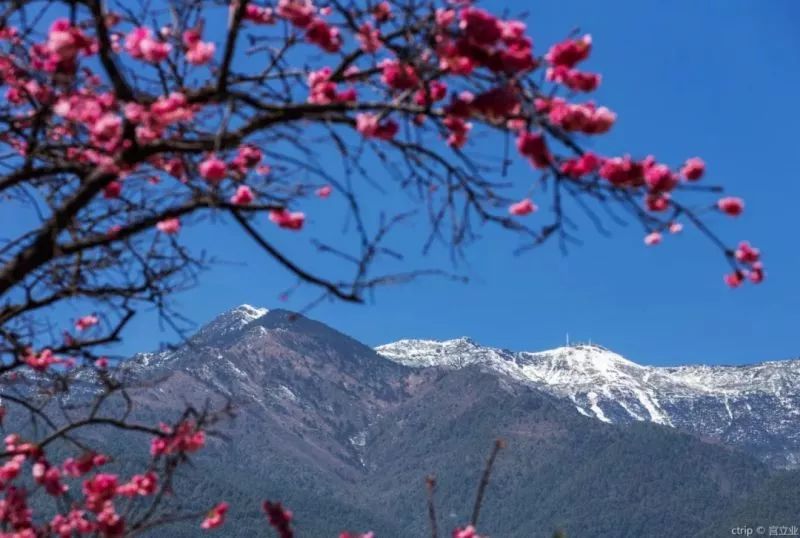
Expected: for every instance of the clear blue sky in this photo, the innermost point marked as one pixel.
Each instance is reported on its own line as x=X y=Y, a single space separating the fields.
x=714 y=79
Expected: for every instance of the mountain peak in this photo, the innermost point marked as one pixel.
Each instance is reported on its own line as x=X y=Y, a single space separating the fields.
x=248 y=312
x=229 y=322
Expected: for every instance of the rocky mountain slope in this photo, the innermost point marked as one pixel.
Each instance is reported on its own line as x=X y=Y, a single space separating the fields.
x=755 y=407
x=345 y=437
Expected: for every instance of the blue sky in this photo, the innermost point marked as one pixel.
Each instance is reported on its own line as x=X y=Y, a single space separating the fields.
x=714 y=79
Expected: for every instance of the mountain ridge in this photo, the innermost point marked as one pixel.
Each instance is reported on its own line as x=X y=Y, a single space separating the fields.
x=345 y=436
x=752 y=406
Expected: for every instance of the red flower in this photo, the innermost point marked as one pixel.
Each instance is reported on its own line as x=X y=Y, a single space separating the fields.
x=279 y=518
x=99 y=489
x=370 y=126
x=324 y=35
x=399 y=76
x=570 y=52
x=215 y=517
x=169 y=226
x=243 y=196
x=186 y=437
x=479 y=26
x=731 y=206
x=287 y=219
x=86 y=322
x=140 y=484
x=747 y=253
x=581 y=166
x=213 y=169
x=660 y=178
x=523 y=207
x=534 y=147
x=756 y=275
x=382 y=12
x=298 y=12
x=466 y=532
x=369 y=38
x=41 y=361
x=735 y=279
x=112 y=190
x=141 y=45
x=574 y=79
x=49 y=477
x=693 y=169
x=651 y=239
x=259 y=15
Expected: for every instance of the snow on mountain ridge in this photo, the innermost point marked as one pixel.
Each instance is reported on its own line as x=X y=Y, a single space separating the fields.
x=591 y=362
x=757 y=404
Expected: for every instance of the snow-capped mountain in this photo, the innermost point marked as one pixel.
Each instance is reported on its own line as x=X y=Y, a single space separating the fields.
x=755 y=407
x=344 y=434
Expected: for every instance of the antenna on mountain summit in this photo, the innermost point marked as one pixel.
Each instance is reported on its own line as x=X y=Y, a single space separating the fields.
x=567 y=339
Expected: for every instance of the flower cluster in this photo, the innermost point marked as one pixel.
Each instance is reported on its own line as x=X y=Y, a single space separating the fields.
x=184 y=438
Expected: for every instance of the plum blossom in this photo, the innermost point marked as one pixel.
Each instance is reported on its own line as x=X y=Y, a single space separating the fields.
x=324 y=35
x=186 y=437
x=653 y=238
x=578 y=81
x=581 y=166
x=570 y=52
x=11 y=469
x=74 y=522
x=84 y=464
x=279 y=518
x=243 y=196
x=756 y=274
x=693 y=169
x=324 y=191
x=259 y=14
x=324 y=91
x=467 y=532
x=41 y=361
x=141 y=44
x=215 y=517
x=382 y=12
x=290 y=220
x=98 y=489
x=659 y=177
x=436 y=91
x=523 y=207
x=109 y=522
x=734 y=279
x=581 y=117
x=731 y=205
x=112 y=190
x=459 y=129
x=371 y=126
x=369 y=38
x=65 y=41
x=746 y=253
x=201 y=53
x=298 y=12
x=534 y=147
x=213 y=169
x=169 y=226
x=399 y=76
x=479 y=26
x=675 y=228
x=140 y=484
x=49 y=477
x=86 y=322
